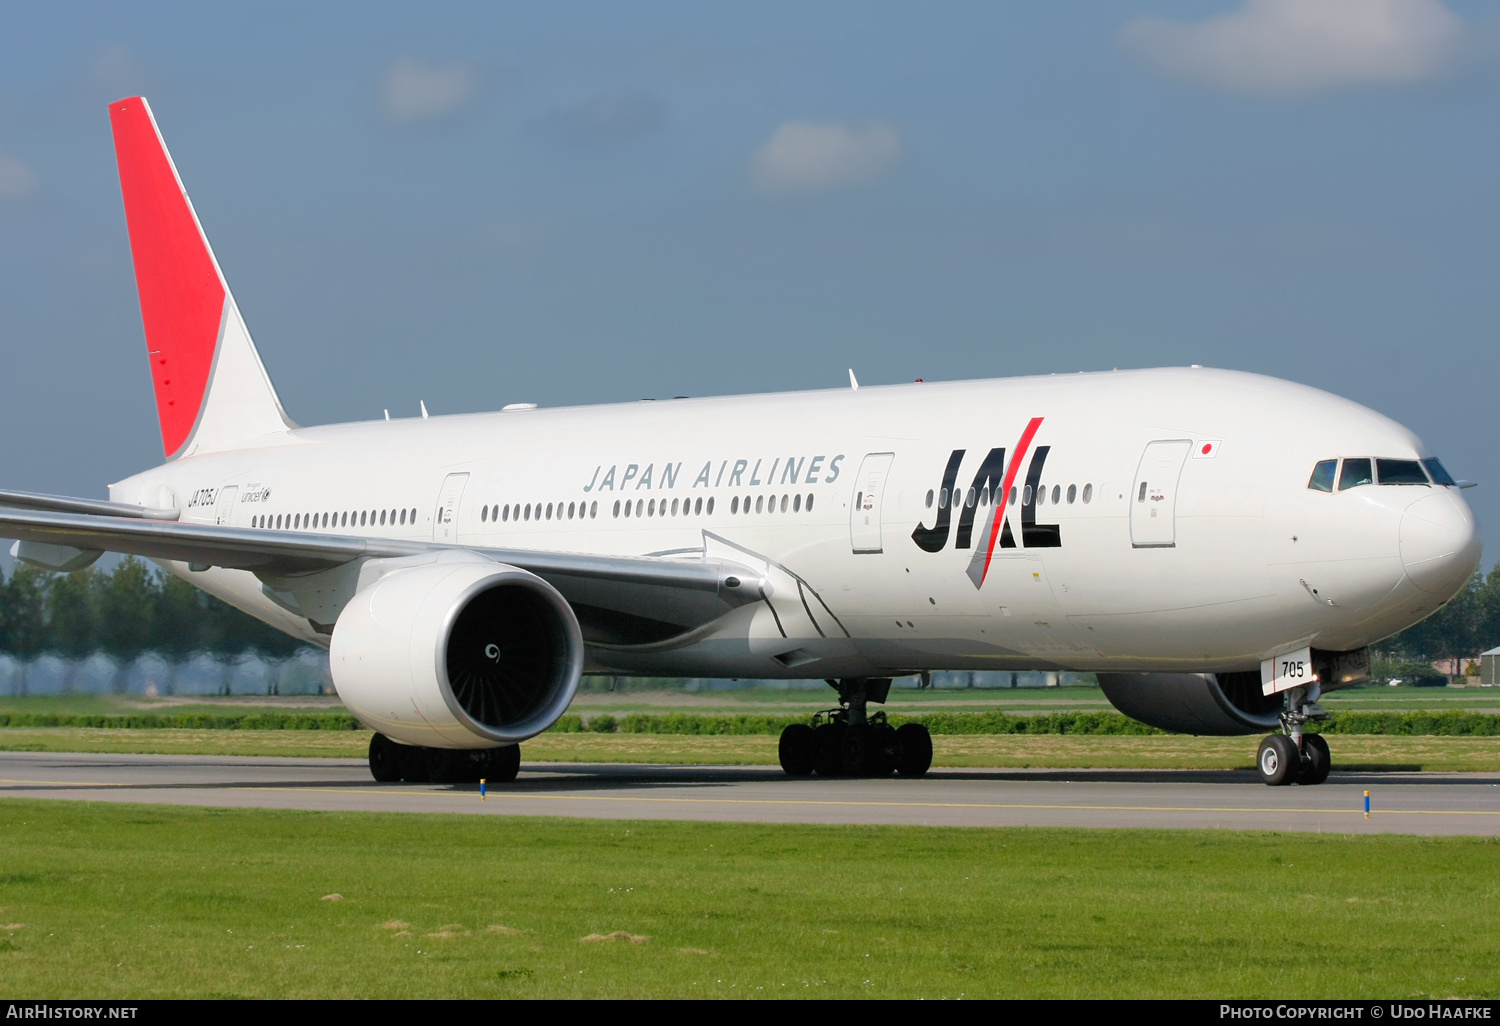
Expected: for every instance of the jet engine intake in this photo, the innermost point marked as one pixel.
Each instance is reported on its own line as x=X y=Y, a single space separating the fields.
x=457 y=654
x=1195 y=703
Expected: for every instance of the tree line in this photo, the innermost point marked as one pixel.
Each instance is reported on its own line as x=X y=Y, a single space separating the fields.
x=134 y=608
x=137 y=608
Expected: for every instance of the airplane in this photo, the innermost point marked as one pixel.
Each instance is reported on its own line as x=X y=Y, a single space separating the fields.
x=1220 y=548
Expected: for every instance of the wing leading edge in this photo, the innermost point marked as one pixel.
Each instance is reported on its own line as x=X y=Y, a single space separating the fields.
x=619 y=600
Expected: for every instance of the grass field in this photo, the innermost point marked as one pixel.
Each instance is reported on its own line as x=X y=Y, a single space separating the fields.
x=1471 y=754
x=154 y=901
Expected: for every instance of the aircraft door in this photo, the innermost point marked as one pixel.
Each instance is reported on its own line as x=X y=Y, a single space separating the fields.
x=225 y=509
x=1153 y=501
x=445 y=521
x=864 y=509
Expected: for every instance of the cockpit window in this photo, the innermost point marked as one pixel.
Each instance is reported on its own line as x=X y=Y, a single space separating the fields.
x=1400 y=472
x=1322 y=476
x=1356 y=473
x=1439 y=473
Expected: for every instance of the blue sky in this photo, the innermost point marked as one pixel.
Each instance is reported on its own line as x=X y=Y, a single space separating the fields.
x=568 y=203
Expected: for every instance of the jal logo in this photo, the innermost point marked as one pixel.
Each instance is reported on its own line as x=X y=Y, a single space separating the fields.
x=993 y=487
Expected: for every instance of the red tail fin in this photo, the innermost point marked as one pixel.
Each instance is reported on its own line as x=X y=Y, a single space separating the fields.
x=190 y=318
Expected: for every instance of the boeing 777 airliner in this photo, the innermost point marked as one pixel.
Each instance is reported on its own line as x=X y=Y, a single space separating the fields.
x=1219 y=547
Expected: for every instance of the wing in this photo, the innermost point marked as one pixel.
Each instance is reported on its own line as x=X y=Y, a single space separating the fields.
x=621 y=600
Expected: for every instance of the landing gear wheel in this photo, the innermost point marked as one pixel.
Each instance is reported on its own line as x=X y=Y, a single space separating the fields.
x=828 y=740
x=446 y=765
x=854 y=751
x=885 y=750
x=411 y=760
x=1319 y=759
x=500 y=765
x=914 y=750
x=1278 y=761
x=795 y=750
x=385 y=765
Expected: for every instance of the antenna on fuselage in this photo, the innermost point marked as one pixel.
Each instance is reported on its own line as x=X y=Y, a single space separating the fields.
x=853 y=381
x=424 y=408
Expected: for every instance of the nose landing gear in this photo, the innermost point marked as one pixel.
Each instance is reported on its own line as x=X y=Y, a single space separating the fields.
x=1295 y=757
x=852 y=742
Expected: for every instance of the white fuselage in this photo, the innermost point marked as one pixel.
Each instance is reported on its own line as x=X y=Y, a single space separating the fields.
x=1224 y=558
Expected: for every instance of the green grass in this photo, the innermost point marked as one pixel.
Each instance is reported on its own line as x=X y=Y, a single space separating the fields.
x=122 y=901
x=1099 y=751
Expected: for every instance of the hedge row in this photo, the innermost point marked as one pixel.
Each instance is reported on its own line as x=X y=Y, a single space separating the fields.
x=1446 y=724
x=1449 y=724
x=187 y=721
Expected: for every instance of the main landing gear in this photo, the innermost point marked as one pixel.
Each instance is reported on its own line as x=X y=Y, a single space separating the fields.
x=390 y=762
x=1295 y=757
x=850 y=742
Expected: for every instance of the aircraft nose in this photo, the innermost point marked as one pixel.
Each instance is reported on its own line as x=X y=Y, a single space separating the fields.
x=1440 y=542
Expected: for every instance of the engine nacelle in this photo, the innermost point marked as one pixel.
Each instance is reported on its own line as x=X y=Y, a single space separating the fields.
x=457 y=654
x=1195 y=703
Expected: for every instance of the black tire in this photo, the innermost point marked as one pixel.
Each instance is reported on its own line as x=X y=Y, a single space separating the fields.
x=854 y=751
x=828 y=740
x=1278 y=761
x=795 y=750
x=385 y=764
x=445 y=765
x=501 y=765
x=411 y=760
x=914 y=750
x=885 y=750
x=1319 y=759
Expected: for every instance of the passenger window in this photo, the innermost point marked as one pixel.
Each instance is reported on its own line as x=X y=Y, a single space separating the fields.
x=698 y=508
x=796 y=504
x=651 y=508
x=783 y=504
x=1400 y=472
x=1072 y=493
x=809 y=502
x=1322 y=476
x=1088 y=493
x=942 y=499
x=760 y=502
x=1142 y=496
x=710 y=507
x=859 y=500
x=593 y=510
x=1439 y=473
x=929 y=498
x=1354 y=474
x=505 y=513
x=1012 y=495
x=617 y=508
x=1026 y=496
x=734 y=504
x=382 y=518
x=570 y=510
x=1041 y=496
x=971 y=498
x=1056 y=493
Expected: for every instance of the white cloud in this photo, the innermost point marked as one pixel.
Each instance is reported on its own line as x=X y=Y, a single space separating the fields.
x=807 y=156
x=1295 y=46
x=16 y=178
x=412 y=91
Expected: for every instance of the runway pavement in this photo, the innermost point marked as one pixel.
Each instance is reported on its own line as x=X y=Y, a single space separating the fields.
x=1415 y=803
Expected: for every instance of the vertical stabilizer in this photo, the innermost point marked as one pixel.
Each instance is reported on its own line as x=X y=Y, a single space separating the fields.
x=212 y=391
